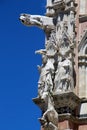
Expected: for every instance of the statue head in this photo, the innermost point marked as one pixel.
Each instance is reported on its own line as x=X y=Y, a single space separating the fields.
x=25 y=19
x=44 y=59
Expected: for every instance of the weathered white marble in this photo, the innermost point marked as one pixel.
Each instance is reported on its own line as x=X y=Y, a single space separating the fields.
x=63 y=78
x=43 y=22
x=49 y=119
x=56 y=71
x=45 y=83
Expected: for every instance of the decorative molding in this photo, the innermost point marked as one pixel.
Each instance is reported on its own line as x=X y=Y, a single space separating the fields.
x=82 y=18
x=68 y=99
x=82 y=42
x=76 y=120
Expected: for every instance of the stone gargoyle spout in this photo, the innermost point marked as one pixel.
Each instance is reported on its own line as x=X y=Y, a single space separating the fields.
x=43 y=22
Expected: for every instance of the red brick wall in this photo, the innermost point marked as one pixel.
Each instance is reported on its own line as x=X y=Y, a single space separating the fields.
x=67 y=125
x=82 y=127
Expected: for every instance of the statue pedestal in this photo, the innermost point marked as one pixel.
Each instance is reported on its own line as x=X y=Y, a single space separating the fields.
x=66 y=99
x=68 y=106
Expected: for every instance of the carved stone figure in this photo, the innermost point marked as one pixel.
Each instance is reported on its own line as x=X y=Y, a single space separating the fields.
x=56 y=71
x=43 y=22
x=49 y=120
x=64 y=41
x=45 y=83
x=51 y=43
x=64 y=76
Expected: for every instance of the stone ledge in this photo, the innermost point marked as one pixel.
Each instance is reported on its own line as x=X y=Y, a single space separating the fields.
x=68 y=99
x=82 y=18
x=77 y=120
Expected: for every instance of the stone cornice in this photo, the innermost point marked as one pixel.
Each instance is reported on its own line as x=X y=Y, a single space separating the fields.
x=76 y=120
x=84 y=100
x=60 y=100
x=82 y=60
x=82 y=18
x=82 y=57
x=82 y=63
x=83 y=41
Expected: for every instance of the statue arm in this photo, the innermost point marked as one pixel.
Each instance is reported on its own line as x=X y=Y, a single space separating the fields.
x=41 y=51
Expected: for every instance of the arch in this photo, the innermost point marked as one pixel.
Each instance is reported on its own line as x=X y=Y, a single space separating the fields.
x=85 y=48
x=83 y=44
x=86 y=51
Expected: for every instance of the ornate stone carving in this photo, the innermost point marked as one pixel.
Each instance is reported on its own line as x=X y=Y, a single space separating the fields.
x=60 y=5
x=64 y=41
x=56 y=71
x=51 y=43
x=43 y=22
x=58 y=52
x=63 y=78
x=45 y=83
x=49 y=120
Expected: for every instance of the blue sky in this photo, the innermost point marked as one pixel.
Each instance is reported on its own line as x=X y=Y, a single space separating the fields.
x=18 y=65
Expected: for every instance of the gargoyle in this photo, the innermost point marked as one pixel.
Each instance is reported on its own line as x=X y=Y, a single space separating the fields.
x=43 y=22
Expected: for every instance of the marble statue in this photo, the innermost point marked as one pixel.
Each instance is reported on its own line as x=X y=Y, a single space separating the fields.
x=45 y=83
x=63 y=76
x=49 y=120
